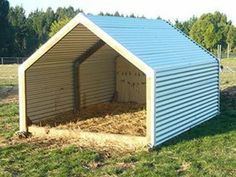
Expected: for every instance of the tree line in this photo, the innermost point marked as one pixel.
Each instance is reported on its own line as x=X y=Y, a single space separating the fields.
x=210 y=30
x=21 y=35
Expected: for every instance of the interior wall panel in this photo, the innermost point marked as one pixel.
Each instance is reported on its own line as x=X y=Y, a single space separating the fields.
x=130 y=82
x=49 y=81
x=97 y=77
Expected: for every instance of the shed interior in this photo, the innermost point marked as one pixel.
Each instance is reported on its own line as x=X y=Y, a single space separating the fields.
x=108 y=93
x=112 y=97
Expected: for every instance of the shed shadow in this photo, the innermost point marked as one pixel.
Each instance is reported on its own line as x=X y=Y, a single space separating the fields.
x=223 y=123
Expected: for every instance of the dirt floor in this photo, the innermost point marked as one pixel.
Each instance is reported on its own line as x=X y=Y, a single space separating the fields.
x=8 y=94
x=117 y=118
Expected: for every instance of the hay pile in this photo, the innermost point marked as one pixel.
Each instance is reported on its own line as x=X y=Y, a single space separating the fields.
x=118 y=118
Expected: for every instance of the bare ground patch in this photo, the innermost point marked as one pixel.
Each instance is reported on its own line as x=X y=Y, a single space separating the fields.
x=8 y=94
x=105 y=127
x=3 y=141
x=52 y=143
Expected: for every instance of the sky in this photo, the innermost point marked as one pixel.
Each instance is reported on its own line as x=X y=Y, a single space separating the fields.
x=166 y=9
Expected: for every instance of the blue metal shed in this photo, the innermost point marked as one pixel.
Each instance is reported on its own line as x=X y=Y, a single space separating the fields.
x=182 y=78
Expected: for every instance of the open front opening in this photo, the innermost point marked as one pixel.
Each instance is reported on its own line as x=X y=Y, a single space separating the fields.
x=111 y=94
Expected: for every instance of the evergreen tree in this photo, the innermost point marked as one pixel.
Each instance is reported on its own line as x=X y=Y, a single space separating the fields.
x=40 y=22
x=186 y=26
x=231 y=37
x=17 y=20
x=5 y=29
x=210 y=30
x=57 y=25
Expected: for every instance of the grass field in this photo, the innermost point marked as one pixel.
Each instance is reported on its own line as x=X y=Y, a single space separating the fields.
x=207 y=150
x=8 y=75
x=228 y=79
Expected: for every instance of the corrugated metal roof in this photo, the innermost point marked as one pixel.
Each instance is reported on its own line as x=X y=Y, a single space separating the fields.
x=155 y=42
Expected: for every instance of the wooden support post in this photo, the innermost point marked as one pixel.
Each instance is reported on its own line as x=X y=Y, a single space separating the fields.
x=22 y=102
x=150 y=102
x=228 y=50
x=77 y=62
x=219 y=52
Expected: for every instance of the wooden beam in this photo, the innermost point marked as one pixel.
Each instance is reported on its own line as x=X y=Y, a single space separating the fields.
x=22 y=99
x=150 y=107
x=90 y=51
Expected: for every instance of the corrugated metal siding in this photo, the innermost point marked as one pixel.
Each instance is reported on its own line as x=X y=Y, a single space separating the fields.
x=130 y=82
x=49 y=81
x=97 y=77
x=184 y=97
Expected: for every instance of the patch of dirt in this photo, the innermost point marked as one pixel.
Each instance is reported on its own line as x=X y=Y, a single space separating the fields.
x=184 y=167
x=8 y=94
x=117 y=118
x=3 y=141
x=53 y=143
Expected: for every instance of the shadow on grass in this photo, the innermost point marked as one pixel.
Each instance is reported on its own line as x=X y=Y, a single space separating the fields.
x=7 y=91
x=223 y=123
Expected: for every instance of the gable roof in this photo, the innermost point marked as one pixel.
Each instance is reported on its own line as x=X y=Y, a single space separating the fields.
x=156 y=42
x=151 y=45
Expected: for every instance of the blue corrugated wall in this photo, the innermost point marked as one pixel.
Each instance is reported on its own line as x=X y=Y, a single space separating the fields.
x=185 y=97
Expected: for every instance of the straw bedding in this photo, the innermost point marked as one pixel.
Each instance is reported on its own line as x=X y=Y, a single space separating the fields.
x=117 y=118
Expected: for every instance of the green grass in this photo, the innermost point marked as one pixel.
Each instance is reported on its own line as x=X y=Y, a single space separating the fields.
x=207 y=150
x=8 y=75
x=8 y=119
x=228 y=79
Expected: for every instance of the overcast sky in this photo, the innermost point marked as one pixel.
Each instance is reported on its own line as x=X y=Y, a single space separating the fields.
x=166 y=9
